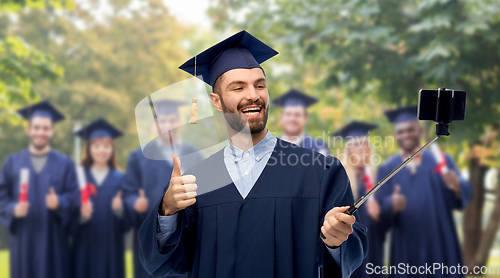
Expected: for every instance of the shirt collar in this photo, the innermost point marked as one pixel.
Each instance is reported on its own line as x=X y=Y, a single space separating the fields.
x=265 y=146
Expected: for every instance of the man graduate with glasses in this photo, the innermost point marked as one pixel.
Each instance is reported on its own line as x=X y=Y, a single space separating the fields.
x=265 y=222
x=38 y=194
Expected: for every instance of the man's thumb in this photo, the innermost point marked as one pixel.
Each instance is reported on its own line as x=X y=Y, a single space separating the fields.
x=176 y=172
x=51 y=191
x=119 y=194
x=141 y=192
x=397 y=190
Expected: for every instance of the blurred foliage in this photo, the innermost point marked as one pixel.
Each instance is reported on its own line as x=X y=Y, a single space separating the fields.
x=20 y=66
x=18 y=5
x=386 y=48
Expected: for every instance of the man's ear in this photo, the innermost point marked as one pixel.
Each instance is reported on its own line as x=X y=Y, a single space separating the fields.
x=216 y=101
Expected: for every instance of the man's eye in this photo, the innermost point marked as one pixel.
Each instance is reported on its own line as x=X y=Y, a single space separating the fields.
x=238 y=89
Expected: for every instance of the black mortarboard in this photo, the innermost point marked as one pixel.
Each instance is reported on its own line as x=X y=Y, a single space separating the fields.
x=241 y=50
x=98 y=129
x=42 y=109
x=294 y=97
x=403 y=114
x=355 y=129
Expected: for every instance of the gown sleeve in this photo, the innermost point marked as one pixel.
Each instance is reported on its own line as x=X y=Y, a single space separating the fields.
x=69 y=199
x=130 y=186
x=336 y=192
x=7 y=203
x=466 y=188
x=175 y=256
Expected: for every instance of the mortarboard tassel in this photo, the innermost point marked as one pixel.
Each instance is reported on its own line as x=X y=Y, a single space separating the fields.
x=194 y=109
x=194 y=113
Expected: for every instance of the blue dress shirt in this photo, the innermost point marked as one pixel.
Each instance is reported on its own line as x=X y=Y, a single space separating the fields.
x=244 y=168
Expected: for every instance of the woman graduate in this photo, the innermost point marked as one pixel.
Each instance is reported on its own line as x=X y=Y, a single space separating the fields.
x=361 y=173
x=98 y=243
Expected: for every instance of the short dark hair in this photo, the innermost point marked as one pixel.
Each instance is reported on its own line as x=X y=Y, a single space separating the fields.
x=216 y=87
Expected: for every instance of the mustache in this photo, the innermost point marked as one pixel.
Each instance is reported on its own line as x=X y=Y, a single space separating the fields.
x=257 y=102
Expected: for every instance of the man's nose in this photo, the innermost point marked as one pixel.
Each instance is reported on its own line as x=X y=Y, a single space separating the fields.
x=252 y=94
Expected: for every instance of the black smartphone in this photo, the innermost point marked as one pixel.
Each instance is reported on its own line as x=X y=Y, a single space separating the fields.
x=441 y=105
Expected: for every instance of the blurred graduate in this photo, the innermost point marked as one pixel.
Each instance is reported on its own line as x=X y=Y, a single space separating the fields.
x=149 y=169
x=361 y=172
x=265 y=222
x=417 y=204
x=98 y=242
x=293 y=119
x=38 y=193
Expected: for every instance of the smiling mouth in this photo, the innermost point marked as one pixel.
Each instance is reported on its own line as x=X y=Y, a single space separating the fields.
x=252 y=111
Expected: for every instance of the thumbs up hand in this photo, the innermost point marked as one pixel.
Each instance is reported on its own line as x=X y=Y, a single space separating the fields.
x=141 y=204
x=52 y=200
x=117 y=202
x=21 y=209
x=181 y=192
x=86 y=210
x=398 y=200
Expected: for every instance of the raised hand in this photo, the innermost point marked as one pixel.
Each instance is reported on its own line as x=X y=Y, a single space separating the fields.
x=398 y=200
x=117 y=202
x=141 y=204
x=181 y=192
x=86 y=210
x=373 y=209
x=52 y=200
x=21 y=209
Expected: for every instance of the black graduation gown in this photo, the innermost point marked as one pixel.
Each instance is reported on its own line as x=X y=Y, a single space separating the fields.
x=375 y=232
x=152 y=175
x=39 y=243
x=98 y=244
x=273 y=232
x=425 y=232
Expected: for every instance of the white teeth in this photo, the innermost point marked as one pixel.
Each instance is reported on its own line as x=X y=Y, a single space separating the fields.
x=251 y=110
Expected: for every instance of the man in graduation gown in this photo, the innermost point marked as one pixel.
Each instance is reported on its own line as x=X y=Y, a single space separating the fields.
x=418 y=202
x=293 y=118
x=149 y=170
x=38 y=225
x=262 y=205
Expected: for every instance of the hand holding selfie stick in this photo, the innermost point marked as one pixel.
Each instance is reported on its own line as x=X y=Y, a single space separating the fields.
x=442 y=106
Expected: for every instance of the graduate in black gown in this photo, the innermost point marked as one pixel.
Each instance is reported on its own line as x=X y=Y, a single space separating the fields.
x=38 y=216
x=265 y=221
x=293 y=118
x=149 y=170
x=359 y=159
x=418 y=203
x=98 y=242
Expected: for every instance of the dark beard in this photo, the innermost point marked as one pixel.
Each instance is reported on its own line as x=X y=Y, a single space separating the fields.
x=38 y=147
x=238 y=121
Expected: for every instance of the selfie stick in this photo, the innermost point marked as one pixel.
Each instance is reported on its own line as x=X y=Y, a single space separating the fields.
x=363 y=199
x=441 y=129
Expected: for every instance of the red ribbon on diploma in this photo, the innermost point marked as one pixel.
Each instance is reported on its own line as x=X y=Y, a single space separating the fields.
x=23 y=194
x=23 y=186
x=368 y=179
x=88 y=191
